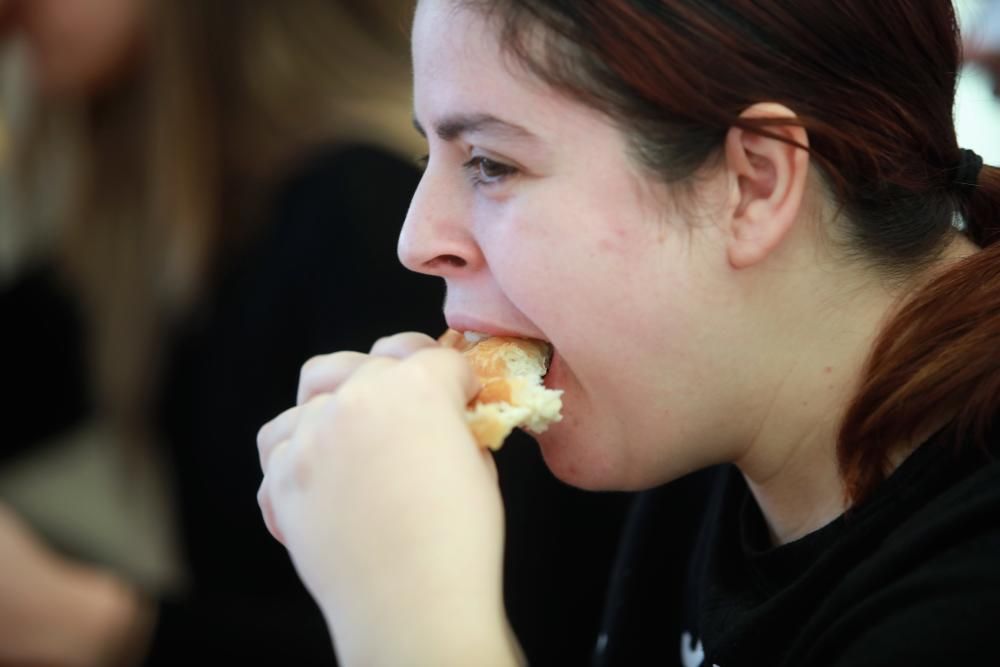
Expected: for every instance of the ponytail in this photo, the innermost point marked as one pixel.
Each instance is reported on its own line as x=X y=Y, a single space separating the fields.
x=938 y=357
x=982 y=213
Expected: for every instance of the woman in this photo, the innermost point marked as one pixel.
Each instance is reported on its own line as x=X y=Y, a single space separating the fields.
x=751 y=238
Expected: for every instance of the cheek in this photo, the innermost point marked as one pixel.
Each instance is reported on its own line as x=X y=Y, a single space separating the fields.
x=525 y=252
x=578 y=271
x=623 y=306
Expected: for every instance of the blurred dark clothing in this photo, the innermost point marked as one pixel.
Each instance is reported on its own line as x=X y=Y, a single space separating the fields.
x=561 y=543
x=642 y=621
x=322 y=276
x=42 y=360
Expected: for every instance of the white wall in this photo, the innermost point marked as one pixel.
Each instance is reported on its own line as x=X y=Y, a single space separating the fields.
x=977 y=109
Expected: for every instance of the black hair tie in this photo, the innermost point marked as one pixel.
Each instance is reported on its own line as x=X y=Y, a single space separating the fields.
x=966 y=174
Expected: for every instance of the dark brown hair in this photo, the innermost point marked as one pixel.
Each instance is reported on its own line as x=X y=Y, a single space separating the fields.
x=873 y=83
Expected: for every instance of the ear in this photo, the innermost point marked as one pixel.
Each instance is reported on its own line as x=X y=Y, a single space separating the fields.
x=768 y=183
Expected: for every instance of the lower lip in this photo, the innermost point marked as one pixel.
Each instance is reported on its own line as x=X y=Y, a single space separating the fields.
x=554 y=374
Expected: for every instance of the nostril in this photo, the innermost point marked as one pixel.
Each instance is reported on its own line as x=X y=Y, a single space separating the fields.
x=451 y=261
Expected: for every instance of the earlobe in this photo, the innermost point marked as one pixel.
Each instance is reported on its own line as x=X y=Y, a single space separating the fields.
x=769 y=176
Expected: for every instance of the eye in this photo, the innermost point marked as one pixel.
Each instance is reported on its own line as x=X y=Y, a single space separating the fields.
x=484 y=171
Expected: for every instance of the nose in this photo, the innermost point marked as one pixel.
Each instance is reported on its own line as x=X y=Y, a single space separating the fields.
x=436 y=238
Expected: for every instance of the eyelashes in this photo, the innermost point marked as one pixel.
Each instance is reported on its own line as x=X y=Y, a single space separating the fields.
x=480 y=170
x=484 y=171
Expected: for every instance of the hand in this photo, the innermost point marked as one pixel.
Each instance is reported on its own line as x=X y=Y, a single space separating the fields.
x=54 y=612
x=391 y=513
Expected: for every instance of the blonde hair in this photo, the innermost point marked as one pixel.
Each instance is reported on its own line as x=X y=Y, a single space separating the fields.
x=175 y=165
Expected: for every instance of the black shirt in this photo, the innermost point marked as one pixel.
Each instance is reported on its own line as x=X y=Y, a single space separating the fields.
x=909 y=577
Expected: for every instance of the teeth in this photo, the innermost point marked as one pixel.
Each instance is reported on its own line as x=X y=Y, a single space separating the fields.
x=475 y=337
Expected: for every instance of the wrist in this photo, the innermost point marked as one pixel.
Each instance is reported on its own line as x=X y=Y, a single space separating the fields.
x=441 y=636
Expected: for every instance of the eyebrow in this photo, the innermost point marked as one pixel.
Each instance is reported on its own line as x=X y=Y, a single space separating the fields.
x=452 y=127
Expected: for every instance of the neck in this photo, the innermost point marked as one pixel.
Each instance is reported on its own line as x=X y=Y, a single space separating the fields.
x=791 y=464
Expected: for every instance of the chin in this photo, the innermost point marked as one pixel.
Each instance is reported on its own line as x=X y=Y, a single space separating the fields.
x=591 y=461
x=576 y=460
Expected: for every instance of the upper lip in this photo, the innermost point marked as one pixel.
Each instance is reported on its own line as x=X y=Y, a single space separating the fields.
x=461 y=322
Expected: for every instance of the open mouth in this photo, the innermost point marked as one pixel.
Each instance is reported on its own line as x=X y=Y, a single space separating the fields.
x=513 y=394
x=552 y=373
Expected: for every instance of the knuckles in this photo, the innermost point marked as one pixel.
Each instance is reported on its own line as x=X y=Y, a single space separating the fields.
x=324 y=372
x=423 y=368
x=356 y=413
x=309 y=375
x=402 y=345
x=381 y=344
x=312 y=366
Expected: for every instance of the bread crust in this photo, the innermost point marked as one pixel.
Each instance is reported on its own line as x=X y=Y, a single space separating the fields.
x=512 y=395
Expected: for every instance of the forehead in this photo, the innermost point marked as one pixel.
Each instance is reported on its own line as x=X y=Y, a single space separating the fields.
x=450 y=28
x=456 y=52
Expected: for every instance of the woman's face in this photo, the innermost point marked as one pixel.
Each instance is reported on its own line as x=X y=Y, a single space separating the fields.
x=542 y=226
x=77 y=47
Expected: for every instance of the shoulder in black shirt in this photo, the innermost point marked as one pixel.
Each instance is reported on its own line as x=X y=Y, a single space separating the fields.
x=908 y=578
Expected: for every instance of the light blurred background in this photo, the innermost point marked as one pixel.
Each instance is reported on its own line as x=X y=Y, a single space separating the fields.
x=977 y=107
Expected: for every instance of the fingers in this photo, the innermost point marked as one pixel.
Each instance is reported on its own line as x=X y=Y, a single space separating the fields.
x=360 y=387
x=324 y=374
x=267 y=511
x=453 y=339
x=276 y=431
x=402 y=345
x=433 y=367
x=445 y=363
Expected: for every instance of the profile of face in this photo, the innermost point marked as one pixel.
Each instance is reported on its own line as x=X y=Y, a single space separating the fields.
x=77 y=47
x=542 y=225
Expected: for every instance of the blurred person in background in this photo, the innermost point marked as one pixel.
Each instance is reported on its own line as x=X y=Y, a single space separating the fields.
x=983 y=47
x=209 y=193
x=977 y=96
